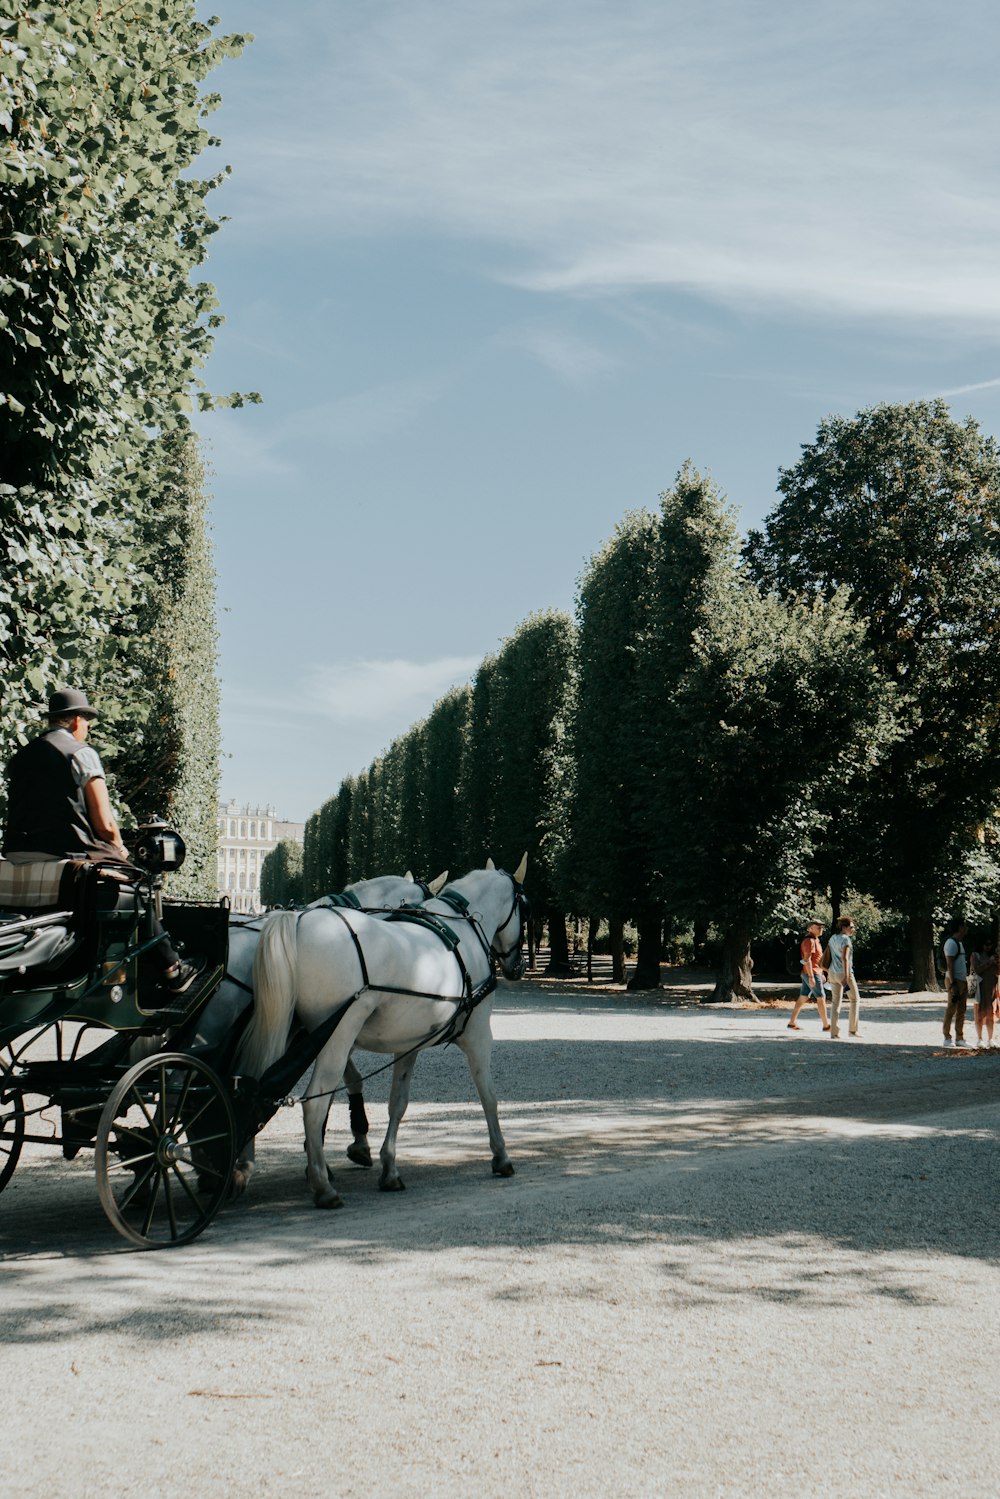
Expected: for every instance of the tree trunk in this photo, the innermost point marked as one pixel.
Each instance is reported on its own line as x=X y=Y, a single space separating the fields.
x=593 y=923
x=922 y=972
x=836 y=903
x=646 y=974
x=616 y=936
x=700 y=937
x=559 y=964
x=734 y=979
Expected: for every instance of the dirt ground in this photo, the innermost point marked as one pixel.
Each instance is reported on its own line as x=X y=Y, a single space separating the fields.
x=734 y=1260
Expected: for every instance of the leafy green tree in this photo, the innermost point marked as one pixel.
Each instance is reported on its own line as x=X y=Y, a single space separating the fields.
x=359 y=865
x=312 y=887
x=607 y=863
x=738 y=775
x=902 y=504
x=281 y=875
x=530 y=703
x=445 y=733
x=102 y=225
x=478 y=771
x=167 y=760
x=338 y=867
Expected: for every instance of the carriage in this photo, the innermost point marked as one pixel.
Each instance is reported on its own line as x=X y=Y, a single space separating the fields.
x=95 y=1055
x=139 y=1076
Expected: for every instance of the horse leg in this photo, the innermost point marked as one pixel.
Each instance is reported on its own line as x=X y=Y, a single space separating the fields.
x=399 y=1097
x=327 y=1076
x=243 y=1170
x=477 y=1044
x=359 y=1150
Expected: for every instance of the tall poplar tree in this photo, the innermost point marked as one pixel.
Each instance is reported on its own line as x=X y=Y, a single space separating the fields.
x=608 y=859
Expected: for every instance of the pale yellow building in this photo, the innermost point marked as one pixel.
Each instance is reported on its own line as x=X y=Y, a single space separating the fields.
x=246 y=836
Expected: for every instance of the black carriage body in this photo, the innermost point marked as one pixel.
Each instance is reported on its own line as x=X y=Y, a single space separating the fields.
x=90 y=966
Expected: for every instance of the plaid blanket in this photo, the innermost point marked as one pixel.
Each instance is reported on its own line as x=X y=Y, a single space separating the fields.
x=32 y=887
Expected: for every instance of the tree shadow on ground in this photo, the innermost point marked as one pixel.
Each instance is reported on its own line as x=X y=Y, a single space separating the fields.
x=777 y=1152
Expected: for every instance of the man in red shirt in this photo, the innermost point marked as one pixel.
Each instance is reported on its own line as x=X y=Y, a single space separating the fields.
x=811 y=956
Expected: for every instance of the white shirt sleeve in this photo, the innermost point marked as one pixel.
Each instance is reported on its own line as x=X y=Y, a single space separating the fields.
x=86 y=765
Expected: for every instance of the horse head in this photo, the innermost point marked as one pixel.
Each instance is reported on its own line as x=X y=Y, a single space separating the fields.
x=508 y=939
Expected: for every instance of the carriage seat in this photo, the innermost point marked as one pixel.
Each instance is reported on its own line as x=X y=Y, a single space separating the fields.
x=41 y=948
x=41 y=885
x=40 y=888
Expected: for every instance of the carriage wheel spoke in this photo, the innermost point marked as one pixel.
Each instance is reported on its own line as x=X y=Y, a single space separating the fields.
x=151 y=1210
x=145 y=1111
x=184 y=1183
x=170 y=1205
x=175 y=1117
x=139 y=1182
x=131 y=1163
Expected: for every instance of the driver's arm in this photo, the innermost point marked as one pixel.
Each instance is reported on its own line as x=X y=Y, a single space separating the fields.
x=102 y=819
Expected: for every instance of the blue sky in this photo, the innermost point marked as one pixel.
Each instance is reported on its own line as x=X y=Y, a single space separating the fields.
x=499 y=268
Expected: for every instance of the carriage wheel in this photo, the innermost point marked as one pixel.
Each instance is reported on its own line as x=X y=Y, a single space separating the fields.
x=11 y=1121
x=164 y=1151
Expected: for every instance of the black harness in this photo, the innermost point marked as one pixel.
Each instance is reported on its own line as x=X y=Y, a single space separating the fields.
x=308 y=1044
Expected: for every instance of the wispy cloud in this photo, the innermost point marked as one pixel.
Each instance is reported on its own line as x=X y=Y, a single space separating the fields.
x=569 y=357
x=390 y=693
x=802 y=157
x=373 y=689
x=269 y=448
x=964 y=390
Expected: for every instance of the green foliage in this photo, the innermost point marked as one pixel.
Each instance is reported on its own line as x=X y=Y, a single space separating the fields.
x=281 y=875
x=742 y=795
x=444 y=737
x=902 y=504
x=478 y=773
x=102 y=226
x=531 y=694
x=606 y=863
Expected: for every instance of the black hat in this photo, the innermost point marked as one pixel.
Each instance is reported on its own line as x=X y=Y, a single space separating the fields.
x=69 y=701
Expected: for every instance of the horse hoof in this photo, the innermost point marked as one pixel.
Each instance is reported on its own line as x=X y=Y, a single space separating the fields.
x=239 y=1183
x=396 y=1184
x=359 y=1154
x=503 y=1168
x=328 y=1200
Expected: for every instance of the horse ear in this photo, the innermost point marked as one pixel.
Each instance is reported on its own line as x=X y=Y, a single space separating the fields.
x=409 y=876
x=521 y=870
x=490 y=864
x=439 y=883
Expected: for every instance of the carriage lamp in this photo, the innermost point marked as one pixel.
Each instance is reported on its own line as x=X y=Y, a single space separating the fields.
x=160 y=849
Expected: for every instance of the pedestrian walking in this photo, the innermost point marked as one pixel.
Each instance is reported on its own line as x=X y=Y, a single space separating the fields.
x=811 y=986
x=841 y=947
x=984 y=968
x=956 y=982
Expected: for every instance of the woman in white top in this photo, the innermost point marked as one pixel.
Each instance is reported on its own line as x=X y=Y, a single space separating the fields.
x=842 y=975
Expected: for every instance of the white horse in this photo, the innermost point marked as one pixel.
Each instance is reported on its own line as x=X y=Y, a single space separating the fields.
x=400 y=987
x=235 y=994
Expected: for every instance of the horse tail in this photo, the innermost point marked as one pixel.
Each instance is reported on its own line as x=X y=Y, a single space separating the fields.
x=274 y=965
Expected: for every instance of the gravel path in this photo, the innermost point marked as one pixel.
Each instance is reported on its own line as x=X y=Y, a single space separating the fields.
x=734 y=1260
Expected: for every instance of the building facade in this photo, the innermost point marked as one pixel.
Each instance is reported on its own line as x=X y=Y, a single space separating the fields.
x=246 y=836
